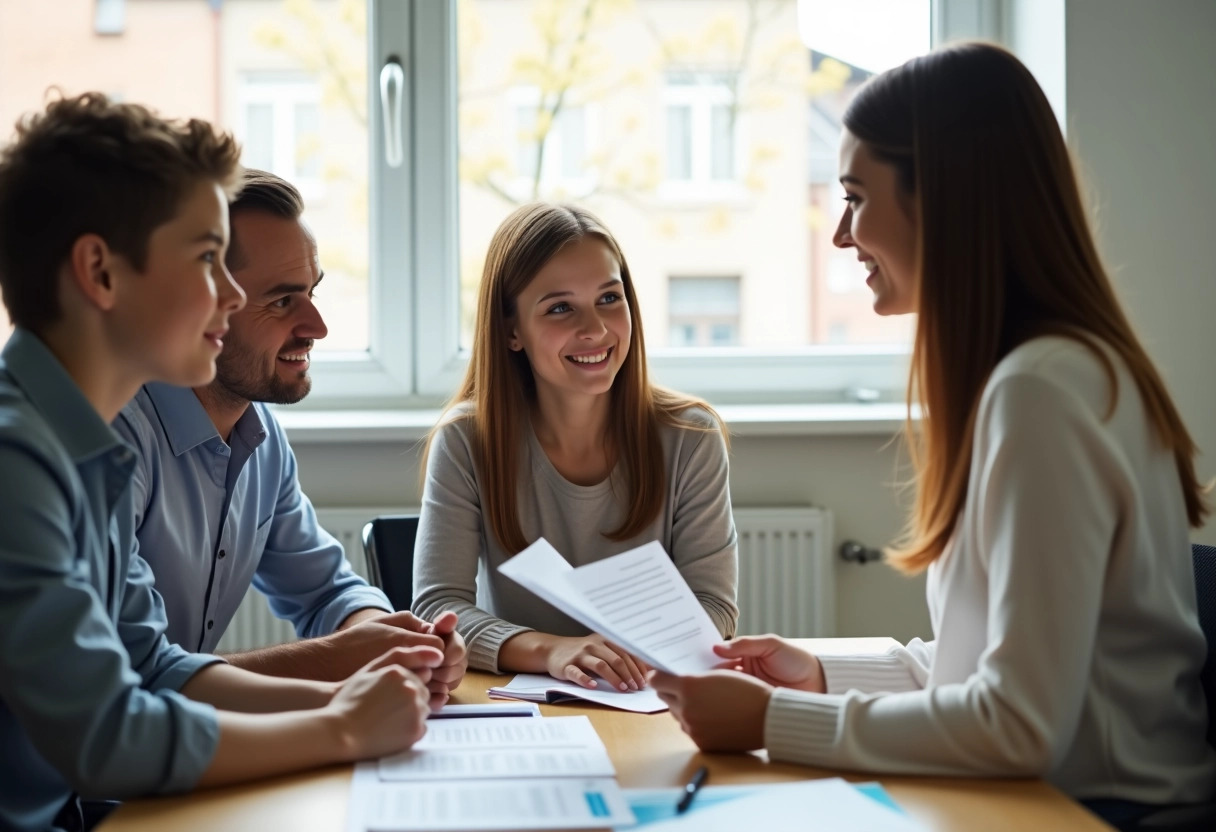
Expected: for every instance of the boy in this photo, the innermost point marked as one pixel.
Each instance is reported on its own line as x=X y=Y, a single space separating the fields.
x=113 y=226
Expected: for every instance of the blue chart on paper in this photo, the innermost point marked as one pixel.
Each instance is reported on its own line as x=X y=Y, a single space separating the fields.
x=597 y=804
x=651 y=805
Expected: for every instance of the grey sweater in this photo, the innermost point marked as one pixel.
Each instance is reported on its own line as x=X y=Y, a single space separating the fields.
x=695 y=526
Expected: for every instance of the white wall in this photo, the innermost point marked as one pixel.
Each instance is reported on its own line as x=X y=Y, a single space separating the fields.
x=1141 y=108
x=1141 y=99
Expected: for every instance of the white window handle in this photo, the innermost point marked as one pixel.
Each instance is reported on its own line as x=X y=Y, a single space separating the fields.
x=392 y=87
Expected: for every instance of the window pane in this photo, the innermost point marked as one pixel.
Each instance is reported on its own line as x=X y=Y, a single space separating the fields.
x=258 y=151
x=679 y=142
x=722 y=143
x=307 y=140
x=573 y=124
x=273 y=72
x=710 y=140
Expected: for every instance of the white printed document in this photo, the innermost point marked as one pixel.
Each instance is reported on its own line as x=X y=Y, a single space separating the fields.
x=502 y=747
x=552 y=803
x=636 y=599
x=537 y=687
x=492 y=773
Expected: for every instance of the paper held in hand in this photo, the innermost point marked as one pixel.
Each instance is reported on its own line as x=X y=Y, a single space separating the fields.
x=636 y=599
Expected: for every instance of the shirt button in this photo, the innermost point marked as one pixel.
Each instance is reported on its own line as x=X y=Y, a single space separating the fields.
x=222 y=554
x=210 y=624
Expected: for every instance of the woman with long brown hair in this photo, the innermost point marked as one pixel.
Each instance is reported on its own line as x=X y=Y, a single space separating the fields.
x=557 y=432
x=1055 y=482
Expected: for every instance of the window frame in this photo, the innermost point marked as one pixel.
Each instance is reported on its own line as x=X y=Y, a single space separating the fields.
x=414 y=358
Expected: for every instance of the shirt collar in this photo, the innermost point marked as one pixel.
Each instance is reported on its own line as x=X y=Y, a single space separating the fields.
x=57 y=397
x=186 y=423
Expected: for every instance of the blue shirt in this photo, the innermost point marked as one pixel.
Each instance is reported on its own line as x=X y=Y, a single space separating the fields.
x=88 y=682
x=213 y=517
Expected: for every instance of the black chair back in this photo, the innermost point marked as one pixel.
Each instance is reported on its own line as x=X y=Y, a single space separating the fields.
x=388 y=543
x=1204 y=558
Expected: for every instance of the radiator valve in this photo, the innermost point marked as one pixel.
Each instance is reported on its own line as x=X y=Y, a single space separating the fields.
x=855 y=552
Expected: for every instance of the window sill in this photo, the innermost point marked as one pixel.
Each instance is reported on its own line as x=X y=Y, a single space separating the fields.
x=312 y=427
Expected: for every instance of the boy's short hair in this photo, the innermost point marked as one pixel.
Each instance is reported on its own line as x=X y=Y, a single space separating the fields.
x=87 y=165
x=264 y=193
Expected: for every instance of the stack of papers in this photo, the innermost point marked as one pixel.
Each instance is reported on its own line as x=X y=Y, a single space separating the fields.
x=492 y=773
x=533 y=687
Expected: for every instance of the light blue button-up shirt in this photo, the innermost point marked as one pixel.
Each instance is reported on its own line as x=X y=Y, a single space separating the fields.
x=213 y=517
x=88 y=682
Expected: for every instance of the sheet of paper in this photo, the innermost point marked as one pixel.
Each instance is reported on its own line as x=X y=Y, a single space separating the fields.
x=541 y=569
x=553 y=803
x=819 y=804
x=650 y=609
x=502 y=747
x=637 y=599
x=536 y=687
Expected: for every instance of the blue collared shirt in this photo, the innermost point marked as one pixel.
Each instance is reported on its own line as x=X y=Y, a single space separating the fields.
x=88 y=682
x=212 y=517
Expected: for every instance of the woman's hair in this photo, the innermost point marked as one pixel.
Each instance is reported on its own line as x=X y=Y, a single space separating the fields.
x=1005 y=255
x=501 y=391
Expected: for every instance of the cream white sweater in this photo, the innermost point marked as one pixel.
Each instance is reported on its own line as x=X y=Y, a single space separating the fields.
x=1067 y=639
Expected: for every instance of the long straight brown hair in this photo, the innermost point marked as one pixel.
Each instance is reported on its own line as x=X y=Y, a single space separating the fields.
x=500 y=389
x=1005 y=255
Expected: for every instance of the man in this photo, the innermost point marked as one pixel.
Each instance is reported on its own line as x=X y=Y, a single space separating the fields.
x=218 y=504
x=113 y=226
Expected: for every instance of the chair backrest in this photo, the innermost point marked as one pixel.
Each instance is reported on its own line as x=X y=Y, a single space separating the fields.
x=1204 y=558
x=388 y=543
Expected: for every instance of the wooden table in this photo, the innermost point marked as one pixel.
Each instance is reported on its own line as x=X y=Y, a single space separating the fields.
x=648 y=751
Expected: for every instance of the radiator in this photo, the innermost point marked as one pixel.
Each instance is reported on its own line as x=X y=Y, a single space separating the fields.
x=786 y=576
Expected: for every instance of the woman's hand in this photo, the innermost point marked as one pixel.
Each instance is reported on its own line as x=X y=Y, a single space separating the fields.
x=720 y=710
x=575 y=659
x=774 y=660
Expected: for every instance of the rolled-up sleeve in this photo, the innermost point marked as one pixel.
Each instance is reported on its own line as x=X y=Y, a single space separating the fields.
x=67 y=678
x=304 y=571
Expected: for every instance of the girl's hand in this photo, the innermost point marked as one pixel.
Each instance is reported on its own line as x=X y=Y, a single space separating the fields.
x=720 y=710
x=774 y=660
x=575 y=659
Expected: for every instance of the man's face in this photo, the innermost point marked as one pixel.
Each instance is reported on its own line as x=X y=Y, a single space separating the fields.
x=266 y=353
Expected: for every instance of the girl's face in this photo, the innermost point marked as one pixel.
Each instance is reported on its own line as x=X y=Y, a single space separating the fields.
x=880 y=222
x=572 y=321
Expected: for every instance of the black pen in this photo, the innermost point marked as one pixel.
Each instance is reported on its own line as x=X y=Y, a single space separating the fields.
x=691 y=788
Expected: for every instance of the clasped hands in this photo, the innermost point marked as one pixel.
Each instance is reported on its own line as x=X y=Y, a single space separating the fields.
x=369 y=634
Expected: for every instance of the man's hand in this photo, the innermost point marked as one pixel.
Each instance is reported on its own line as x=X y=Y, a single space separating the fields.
x=455 y=655
x=720 y=710
x=382 y=707
x=362 y=633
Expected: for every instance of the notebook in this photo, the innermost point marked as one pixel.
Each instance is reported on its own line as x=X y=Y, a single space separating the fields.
x=533 y=687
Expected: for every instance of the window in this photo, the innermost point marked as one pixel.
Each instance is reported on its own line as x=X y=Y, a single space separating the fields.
x=701 y=127
x=290 y=79
x=703 y=311
x=550 y=144
x=109 y=17
x=281 y=120
x=702 y=132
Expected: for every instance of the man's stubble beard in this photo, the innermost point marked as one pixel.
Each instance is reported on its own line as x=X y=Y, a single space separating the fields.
x=237 y=377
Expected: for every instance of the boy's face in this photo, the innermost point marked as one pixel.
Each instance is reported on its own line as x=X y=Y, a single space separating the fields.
x=172 y=318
